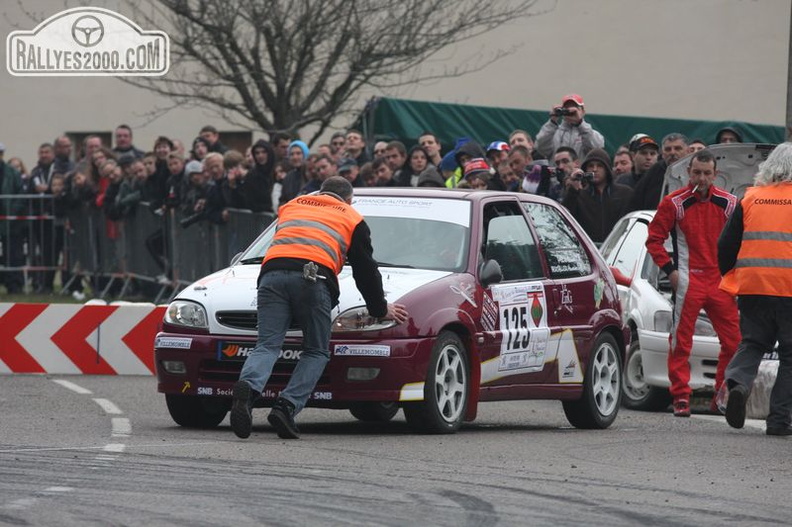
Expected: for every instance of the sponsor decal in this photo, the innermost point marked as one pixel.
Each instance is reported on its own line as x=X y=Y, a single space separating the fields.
x=87 y=42
x=569 y=370
x=322 y=396
x=173 y=342
x=225 y=392
x=467 y=291
x=599 y=288
x=238 y=351
x=522 y=315
x=489 y=313
x=566 y=299
x=362 y=350
x=204 y=390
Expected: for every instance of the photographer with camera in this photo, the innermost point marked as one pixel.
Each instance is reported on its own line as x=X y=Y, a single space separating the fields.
x=567 y=127
x=595 y=201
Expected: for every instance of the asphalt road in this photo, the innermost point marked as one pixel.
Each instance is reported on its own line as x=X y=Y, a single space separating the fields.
x=114 y=457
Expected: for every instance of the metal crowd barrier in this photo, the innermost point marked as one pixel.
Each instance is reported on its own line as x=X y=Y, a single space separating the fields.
x=146 y=253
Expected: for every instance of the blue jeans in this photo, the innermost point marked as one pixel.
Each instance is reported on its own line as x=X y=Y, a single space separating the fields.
x=763 y=321
x=283 y=296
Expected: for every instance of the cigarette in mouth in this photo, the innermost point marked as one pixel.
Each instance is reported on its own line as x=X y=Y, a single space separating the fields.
x=695 y=189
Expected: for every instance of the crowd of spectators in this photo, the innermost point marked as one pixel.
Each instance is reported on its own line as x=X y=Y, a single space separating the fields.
x=566 y=163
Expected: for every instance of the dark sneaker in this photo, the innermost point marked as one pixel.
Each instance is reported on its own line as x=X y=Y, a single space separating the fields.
x=281 y=417
x=735 y=406
x=780 y=431
x=682 y=408
x=241 y=415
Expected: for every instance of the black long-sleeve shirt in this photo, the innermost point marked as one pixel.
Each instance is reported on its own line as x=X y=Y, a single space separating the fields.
x=730 y=240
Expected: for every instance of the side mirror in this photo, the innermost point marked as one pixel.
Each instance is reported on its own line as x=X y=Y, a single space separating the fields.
x=621 y=278
x=236 y=258
x=490 y=273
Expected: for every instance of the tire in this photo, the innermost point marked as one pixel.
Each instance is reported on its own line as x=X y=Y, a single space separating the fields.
x=196 y=412
x=446 y=389
x=599 y=405
x=374 y=412
x=636 y=394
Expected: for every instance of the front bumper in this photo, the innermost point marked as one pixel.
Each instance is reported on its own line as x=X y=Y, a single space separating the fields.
x=703 y=360
x=211 y=365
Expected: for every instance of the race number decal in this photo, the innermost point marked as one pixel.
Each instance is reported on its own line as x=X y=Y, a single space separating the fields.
x=522 y=311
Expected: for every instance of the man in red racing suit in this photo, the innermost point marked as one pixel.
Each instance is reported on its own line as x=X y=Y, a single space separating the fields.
x=694 y=217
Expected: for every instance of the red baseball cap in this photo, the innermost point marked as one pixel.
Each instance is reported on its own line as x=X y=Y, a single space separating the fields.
x=574 y=97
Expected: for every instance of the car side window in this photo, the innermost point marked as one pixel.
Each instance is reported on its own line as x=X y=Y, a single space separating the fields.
x=565 y=254
x=614 y=240
x=630 y=251
x=509 y=241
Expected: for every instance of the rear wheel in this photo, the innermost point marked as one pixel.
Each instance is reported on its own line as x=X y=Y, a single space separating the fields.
x=190 y=411
x=374 y=412
x=446 y=389
x=636 y=393
x=599 y=405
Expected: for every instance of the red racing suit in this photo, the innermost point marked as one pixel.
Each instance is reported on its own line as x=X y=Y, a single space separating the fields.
x=694 y=225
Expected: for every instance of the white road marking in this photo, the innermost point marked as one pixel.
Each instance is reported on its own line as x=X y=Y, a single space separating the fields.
x=22 y=503
x=73 y=387
x=59 y=489
x=114 y=447
x=758 y=424
x=108 y=406
x=121 y=427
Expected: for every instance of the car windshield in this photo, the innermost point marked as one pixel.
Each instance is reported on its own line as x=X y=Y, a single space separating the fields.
x=407 y=240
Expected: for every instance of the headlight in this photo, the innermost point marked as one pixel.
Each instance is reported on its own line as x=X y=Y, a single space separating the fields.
x=662 y=321
x=358 y=319
x=704 y=328
x=189 y=314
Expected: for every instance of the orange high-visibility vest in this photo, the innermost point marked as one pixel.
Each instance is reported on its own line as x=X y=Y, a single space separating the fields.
x=764 y=262
x=316 y=227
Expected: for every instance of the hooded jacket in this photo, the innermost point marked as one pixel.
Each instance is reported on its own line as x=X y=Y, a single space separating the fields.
x=430 y=177
x=598 y=212
x=583 y=138
x=259 y=181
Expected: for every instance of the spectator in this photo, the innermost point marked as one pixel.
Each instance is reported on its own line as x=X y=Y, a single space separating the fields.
x=599 y=204
x=281 y=141
x=11 y=235
x=510 y=180
x=379 y=149
x=431 y=144
x=431 y=177
x=566 y=160
x=195 y=190
x=417 y=161
x=200 y=148
x=754 y=251
x=349 y=170
x=325 y=168
x=694 y=217
x=521 y=138
x=63 y=151
x=477 y=173
x=519 y=157
x=622 y=163
x=573 y=131
x=696 y=145
x=297 y=176
x=93 y=169
x=234 y=187
x=324 y=149
x=41 y=174
x=366 y=174
x=383 y=175
x=216 y=206
x=280 y=171
x=91 y=144
x=19 y=166
x=648 y=190
x=498 y=152
x=338 y=145
x=178 y=147
x=356 y=147
x=123 y=140
x=212 y=137
x=260 y=180
x=396 y=157
x=644 y=152
x=463 y=153
x=728 y=134
x=176 y=180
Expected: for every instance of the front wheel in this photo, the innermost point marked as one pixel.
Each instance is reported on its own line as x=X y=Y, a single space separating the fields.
x=599 y=405
x=446 y=389
x=636 y=393
x=374 y=412
x=191 y=411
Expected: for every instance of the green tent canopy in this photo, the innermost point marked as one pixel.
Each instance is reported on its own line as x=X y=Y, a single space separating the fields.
x=404 y=120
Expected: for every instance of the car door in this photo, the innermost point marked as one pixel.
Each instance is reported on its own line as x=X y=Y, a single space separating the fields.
x=515 y=310
x=574 y=292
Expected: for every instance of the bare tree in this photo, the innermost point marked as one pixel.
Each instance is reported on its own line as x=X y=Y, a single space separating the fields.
x=285 y=64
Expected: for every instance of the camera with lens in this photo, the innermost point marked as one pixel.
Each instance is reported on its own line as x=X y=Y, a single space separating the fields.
x=561 y=112
x=586 y=177
x=549 y=172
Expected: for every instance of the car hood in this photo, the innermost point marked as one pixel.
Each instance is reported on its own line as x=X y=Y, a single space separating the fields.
x=737 y=165
x=234 y=288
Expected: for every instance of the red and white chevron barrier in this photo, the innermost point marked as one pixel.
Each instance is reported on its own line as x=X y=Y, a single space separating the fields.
x=78 y=339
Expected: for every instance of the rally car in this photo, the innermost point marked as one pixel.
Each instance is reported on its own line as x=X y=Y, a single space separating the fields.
x=508 y=299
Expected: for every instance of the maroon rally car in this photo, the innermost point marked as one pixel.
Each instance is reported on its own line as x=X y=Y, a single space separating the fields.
x=508 y=299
